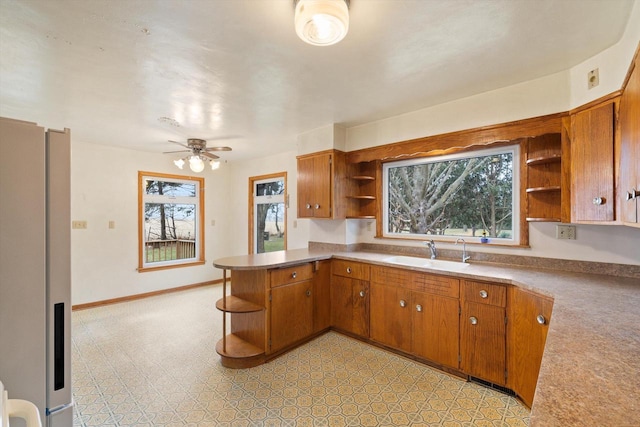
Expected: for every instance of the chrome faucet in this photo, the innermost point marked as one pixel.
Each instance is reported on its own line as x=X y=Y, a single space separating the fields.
x=465 y=257
x=432 y=246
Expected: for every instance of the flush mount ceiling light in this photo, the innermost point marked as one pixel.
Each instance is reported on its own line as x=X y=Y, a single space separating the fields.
x=322 y=22
x=200 y=153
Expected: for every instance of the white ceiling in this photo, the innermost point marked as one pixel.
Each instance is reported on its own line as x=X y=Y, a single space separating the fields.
x=234 y=71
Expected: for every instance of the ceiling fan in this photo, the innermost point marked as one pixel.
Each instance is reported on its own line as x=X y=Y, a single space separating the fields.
x=199 y=153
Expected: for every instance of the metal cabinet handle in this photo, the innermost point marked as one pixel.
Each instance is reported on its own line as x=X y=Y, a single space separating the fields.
x=633 y=194
x=308 y=206
x=294 y=275
x=598 y=201
x=362 y=294
x=418 y=308
x=403 y=303
x=473 y=320
x=308 y=292
x=541 y=319
x=317 y=206
x=349 y=270
x=483 y=294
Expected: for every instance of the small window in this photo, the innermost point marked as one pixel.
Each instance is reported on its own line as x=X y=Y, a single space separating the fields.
x=268 y=213
x=469 y=195
x=171 y=218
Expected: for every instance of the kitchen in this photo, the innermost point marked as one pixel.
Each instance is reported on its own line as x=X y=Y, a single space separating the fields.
x=99 y=195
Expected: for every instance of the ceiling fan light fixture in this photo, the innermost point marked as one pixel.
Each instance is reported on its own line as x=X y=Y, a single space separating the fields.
x=179 y=163
x=322 y=22
x=196 y=164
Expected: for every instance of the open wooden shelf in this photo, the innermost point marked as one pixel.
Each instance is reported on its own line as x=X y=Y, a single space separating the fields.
x=237 y=305
x=239 y=354
x=363 y=178
x=362 y=197
x=543 y=189
x=556 y=158
x=362 y=217
x=543 y=219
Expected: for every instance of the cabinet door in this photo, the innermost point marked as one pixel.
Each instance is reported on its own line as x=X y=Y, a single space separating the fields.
x=322 y=186
x=592 y=179
x=390 y=319
x=483 y=342
x=350 y=305
x=305 y=190
x=436 y=328
x=630 y=148
x=291 y=314
x=527 y=336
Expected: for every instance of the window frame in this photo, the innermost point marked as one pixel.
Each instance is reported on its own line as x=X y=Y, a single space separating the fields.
x=253 y=180
x=519 y=235
x=199 y=227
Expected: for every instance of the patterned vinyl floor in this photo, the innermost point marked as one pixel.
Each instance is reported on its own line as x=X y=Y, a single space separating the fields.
x=152 y=362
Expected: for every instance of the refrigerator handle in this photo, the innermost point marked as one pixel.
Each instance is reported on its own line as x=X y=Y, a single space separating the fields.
x=58 y=346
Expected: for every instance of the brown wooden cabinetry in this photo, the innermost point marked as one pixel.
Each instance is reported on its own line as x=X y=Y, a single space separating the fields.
x=529 y=316
x=362 y=179
x=321 y=185
x=350 y=297
x=630 y=149
x=321 y=295
x=543 y=177
x=592 y=160
x=483 y=331
x=416 y=313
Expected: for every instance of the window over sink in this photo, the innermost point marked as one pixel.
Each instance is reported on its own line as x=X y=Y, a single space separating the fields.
x=472 y=195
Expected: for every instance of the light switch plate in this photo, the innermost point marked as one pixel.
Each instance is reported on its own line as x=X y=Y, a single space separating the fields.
x=566 y=232
x=79 y=225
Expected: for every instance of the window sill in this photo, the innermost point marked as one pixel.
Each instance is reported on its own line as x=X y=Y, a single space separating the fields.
x=452 y=239
x=166 y=267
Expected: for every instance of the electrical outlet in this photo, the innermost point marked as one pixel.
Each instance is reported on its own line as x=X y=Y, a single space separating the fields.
x=566 y=232
x=593 y=78
x=79 y=225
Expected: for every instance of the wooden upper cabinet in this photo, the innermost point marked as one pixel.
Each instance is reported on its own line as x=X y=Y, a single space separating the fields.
x=321 y=185
x=630 y=150
x=592 y=157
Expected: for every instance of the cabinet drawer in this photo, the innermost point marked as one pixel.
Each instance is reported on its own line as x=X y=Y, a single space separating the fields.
x=354 y=270
x=391 y=276
x=484 y=293
x=438 y=285
x=284 y=276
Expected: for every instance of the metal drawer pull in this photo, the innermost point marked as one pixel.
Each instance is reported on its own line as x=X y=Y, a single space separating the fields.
x=473 y=320
x=599 y=201
x=308 y=206
x=362 y=294
x=483 y=294
x=294 y=275
x=349 y=270
x=540 y=318
x=317 y=206
x=418 y=308
x=308 y=293
x=403 y=303
x=632 y=194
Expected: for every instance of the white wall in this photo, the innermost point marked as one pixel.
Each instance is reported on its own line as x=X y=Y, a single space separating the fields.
x=237 y=202
x=104 y=183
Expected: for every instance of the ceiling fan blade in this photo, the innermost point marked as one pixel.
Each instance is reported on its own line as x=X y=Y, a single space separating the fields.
x=180 y=143
x=209 y=155
x=218 y=149
x=179 y=151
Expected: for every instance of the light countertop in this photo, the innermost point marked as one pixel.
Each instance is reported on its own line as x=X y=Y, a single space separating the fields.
x=590 y=372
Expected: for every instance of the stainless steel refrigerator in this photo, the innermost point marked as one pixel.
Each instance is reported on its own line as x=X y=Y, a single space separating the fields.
x=35 y=268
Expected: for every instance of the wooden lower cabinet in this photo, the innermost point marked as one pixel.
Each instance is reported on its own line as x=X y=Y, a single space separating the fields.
x=350 y=305
x=436 y=326
x=483 y=339
x=291 y=314
x=529 y=316
x=321 y=295
x=391 y=313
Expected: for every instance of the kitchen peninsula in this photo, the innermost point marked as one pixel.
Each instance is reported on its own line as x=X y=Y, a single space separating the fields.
x=588 y=373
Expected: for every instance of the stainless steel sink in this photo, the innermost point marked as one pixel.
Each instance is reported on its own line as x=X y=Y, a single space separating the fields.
x=438 y=264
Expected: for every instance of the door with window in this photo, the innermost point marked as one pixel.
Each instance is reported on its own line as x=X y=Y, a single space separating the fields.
x=268 y=213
